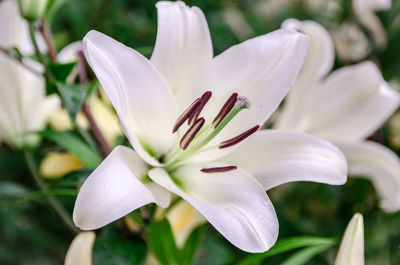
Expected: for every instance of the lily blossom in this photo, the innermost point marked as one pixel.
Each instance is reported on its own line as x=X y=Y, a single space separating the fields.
x=80 y=250
x=184 y=111
x=351 y=250
x=345 y=107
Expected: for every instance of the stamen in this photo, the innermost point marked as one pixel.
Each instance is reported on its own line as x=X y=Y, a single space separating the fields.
x=239 y=138
x=203 y=101
x=218 y=169
x=186 y=114
x=229 y=104
x=191 y=133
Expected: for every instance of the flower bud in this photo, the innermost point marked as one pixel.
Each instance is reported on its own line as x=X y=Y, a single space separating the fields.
x=32 y=9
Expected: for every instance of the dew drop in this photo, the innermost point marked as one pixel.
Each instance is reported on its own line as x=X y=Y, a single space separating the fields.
x=260 y=215
x=107 y=185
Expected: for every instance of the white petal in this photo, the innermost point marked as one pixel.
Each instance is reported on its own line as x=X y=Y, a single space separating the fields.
x=69 y=53
x=80 y=250
x=183 y=42
x=113 y=190
x=351 y=104
x=379 y=164
x=351 y=251
x=137 y=91
x=233 y=202
x=318 y=62
x=262 y=69
x=275 y=157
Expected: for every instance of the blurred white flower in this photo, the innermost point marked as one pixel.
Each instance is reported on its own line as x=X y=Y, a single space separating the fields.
x=187 y=154
x=14 y=30
x=365 y=12
x=24 y=108
x=345 y=107
x=350 y=42
x=80 y=250
x=351 y=250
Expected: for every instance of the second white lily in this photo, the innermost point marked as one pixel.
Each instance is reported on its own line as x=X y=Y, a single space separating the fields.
x=345 y=107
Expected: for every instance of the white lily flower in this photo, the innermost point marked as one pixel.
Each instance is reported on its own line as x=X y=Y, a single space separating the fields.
x=351 y=250
x=345 y=107
x=24 y=108
x=80 y=250
x=14 y=30
x=365 y=13
x=186 y=154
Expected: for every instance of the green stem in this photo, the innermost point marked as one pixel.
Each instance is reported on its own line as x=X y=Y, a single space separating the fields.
x=35 y=44
x=53 y=202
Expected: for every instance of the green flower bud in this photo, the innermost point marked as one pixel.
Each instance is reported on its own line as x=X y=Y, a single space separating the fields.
x=32 y=9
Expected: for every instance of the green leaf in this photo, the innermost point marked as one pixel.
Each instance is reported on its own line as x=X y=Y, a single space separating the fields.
x=303 y=256
x=162 y=243
x=72 y=97
x=74 y=144
x=189 y=251
x=288 y=244
x=61 y=71
x=118 y=249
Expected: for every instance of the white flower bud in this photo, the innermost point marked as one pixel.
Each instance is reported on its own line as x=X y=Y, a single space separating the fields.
x=32 y=9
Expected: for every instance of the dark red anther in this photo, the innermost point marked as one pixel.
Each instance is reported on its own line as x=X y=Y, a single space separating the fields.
x=186 y=114
x=239 y=138
x=218 y=169
x=228 y=106
x=191 y=133
x=203 y=101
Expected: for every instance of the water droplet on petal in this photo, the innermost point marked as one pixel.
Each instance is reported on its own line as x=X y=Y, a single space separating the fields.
x=260 y=215
x=107 y=185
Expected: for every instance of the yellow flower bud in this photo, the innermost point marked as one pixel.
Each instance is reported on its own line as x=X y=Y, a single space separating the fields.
x=56 y=165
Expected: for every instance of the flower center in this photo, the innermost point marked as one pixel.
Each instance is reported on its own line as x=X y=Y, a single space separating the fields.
x=198 y=134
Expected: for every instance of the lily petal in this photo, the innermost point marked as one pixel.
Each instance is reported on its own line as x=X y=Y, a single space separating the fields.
x=379 y=164
x=183 y=42
x=233 y=202
x=115 y=189
x=351 y=250
x=138 y=93
x=351 y=104
x=275 y=157
x=318 y=62
x=261 y=69
x=80 y=250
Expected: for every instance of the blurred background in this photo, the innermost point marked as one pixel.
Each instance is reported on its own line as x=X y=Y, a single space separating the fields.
x=31 y=234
